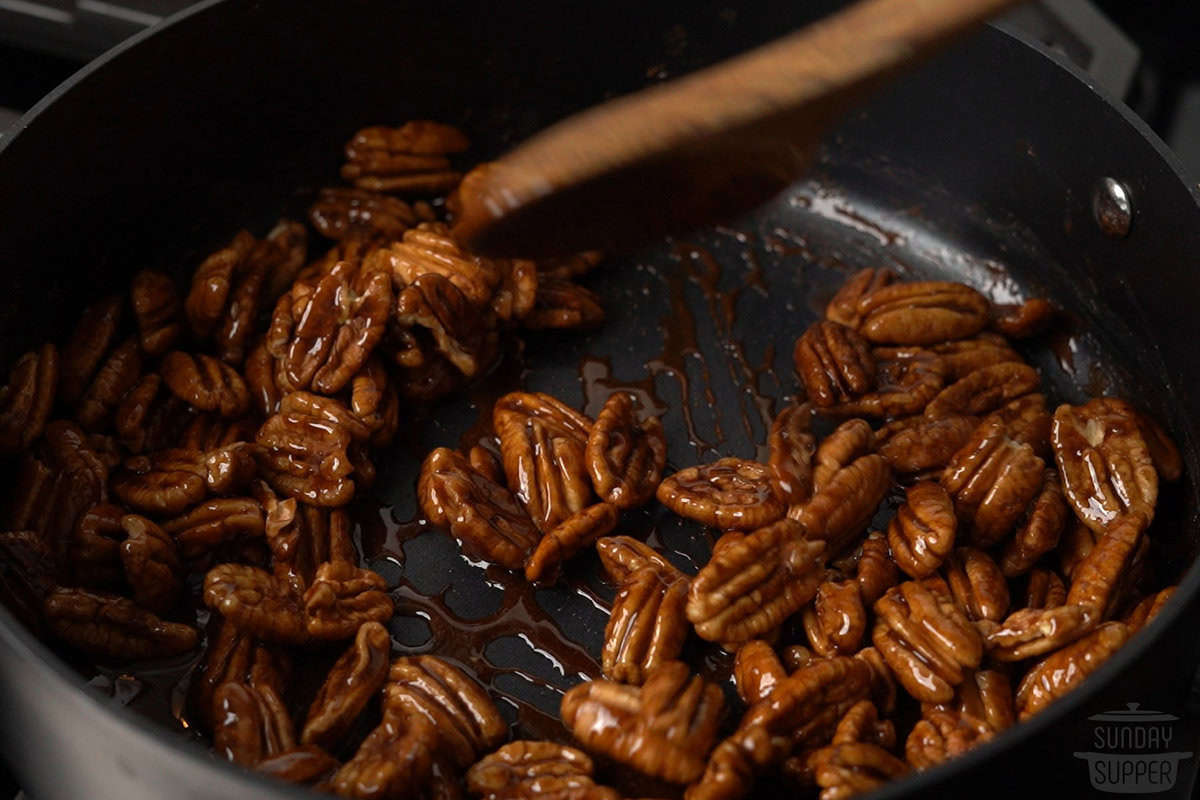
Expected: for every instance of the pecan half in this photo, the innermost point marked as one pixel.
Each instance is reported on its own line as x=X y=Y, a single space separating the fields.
x=623 y=555
x=836 y=620
x=1105 y=464
x=95 y=550
x=152 y=565
x=351 y=683
x=846 y=770
x=89 y=342
x=254 y=601
x=625 y=458
x=1044 y=589
x=754 y=582
x=757 y=670
x=1039 y=534
x=843 y=308
x=984 y=390
x=304 y=450
x=977 y=584
x=1141 y=614
x=251 y=723
x=835 y=364
x=374 y=401
x=663 y=728
x=1030 y=632
x=792 y=446
x=924 y=312
x=1100 y=578
x=305 y=765
x=341 y=598
x=394 y=762
x=459 y=331
x=231 y=655
x=922 y=533
x=1023 y=320
x=301 y=537
x=965 y=356
x=942 y=734
x=116 y=376
x=215 y=522
x=844 y=504
x=567 y=538
x=1062 y=671
x=169 y=481
x=261 y=381
x=729 y=493
x=26 y=400
x=339 y=210
x=205 y=383
x=647 y=625
x=875 y=571
x=112 y=627
x=906 y=379
x=1027 y=421
x=479 y=512
x=524 y=770
x=849 y=441
x=156 y=307
x=917 y=444
x=563 y=304
x=410 y=158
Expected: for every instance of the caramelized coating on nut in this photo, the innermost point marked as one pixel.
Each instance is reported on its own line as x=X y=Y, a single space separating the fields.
x=349 y=686
x=89 y=343
x=341 y=598
x=906 y=379
x=964 y=356
x=152 y=565
x=1039 y=534
x=843 y=308
x=251 y=724
x=922 y=312
x=1065 y=669
x=757 y=671
x=205 y=383
x=977 y=584
x=730 y=493
x=836 y=621
x=563 y=304
x=918 y=444
x=623 y=555
x=340 y=210
x=112 y=627
x=792 y=447
x=984 y=390
x=564 y=540
x=647 y=625
x=392 y=763
x=410 y=158
x=27 y=398
x=844 y=504
x=625 y=457
x=835 y=364
x=922 y=533
x=525 y=769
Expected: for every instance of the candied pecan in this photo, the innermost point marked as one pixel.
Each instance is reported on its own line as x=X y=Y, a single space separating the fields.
x=250 y=723
x=1098 y=580
x=883 y=683
x=571 y=266
x=213 y=523
x=1062 y=671
x=567 y=538
x=543 y=446
x=517 y=294
x=392 y=763
x=984 y=390
x=410 y=158
x=339 y=210
x=1076 y=542
x=231 y=655
x=151 y=563
x=156 y=306
x=756 y=671
x=988 y=696
x=561 y=303
x=844 y=504
x=924 y=312
x=1027 y=421
x=623 y=555
x=205 y=383
x=926 y=640
x=305 y=765
x=1029 y=632
x=1044 y=589
x=754 y=582
x=992 y=479
x=342 y=597
x=792 y=447
x=843 y=308
x=95 y=550
x=458 y=328
x=1163 y=452
x=108 y=626
x=1104 y=461
x=116 y=376
x=479 y=512
x=1039 y=534
x=90 y=341
x=261 y=382
x=207 y=432
x=349 y=686
x=301 y=537
x=625 y=458
x=428 y=249
x=213 y=283
x=485 y=462
x=663 y=728
x=977 y=584
x=304 y=455
x=729 y=493
x=849 y=441
x=525 y=769
x=149 y=417
x=836 y=620
x=963 y=357
x=647 y=625
x=906 y=379
x=918 y=444
x=374 y=401
x=875 y=571
x=26 y=575
x=922 y=533
x=835 y=364
x=26 y=400
x=796 y=656
x=254 y=601
x=942 y=734
x=846 y=770
x=169 y=481
x=1141 y=614
x=1023 y=320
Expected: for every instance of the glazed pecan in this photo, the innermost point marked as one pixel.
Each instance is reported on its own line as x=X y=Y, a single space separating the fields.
x=1044 y=589
x=543 y=446
x=256 y=602
x=757 y=670
x=1027 y=421
x=322 y=332
x=625 y=458
x=1062 y=671
x=524 y=769
x=170 y=481
x=149 y=416
x=26 y=400
x=647 y=625
x=663 y=728
x=963 y=357
x=993 y=479
x=1039 y=533
x=305 y=765
x=208 y=432
x=926 y=640
x=922 y=533
x=987 y=695
x=349 y=686
x=95 y=550
x=27 y=575
x=152 y=565
x=875 y=570
x=977 y=584
x=484 y=461
x=205 y=383
x=373 y=400
x=1141 y=614
x=304 y=450
x=261 y=380
x=942 y=734
x=459 y=330
x=466 y=721
x=250 y=724
x=906 y=379
x=1076 y=542
x=339 y=210
x=846 y=770
x=754 y=581
x=1105 y=464
x=792 y=446
x=116 y=376
x=428 y=249
x=1030 y=632
x=918 y=444
x=729 y=493
x=563 y=304
x=835 y=364
x=341 y=598
x=844 y=504
x=1100 y=578
x=90 y=341
x=796 y=656
x=843 y=308
x=479 y=512
x=156 y=306
x=567 y=538
x=112 y=627
x=984 y=390
x=849 y=441
x=410 y=158
x=924 y=312
x=836 y=620
x=213 y=523
x=622 y=556
x=394 y=762
x=1163 y=452
x=301 y=537
x=1020 y=321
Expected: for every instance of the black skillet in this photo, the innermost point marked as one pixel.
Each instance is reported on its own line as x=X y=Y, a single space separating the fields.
x=982 y=166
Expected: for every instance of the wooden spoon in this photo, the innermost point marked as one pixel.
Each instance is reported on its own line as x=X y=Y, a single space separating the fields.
x=709 y=145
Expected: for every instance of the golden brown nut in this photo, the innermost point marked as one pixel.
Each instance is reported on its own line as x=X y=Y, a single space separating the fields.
x=304 y=450
x=849 y=441
x=967 y=355
x=918 y=444
x=984 y=390
x=409 y=158
x=301 y=537
x=466 y=721
x=1029 y=632
x=564 y=540
x=524 y=769
x=623 y=555
x=835 y=364
x=340 y=210
x=563 y=304
x=341 y=598
x=169 y=481
x=254 y=601
x=1039 y=534
x=757 y=670
x=479 y=512
x=116 y=376
x=922 y=533
x=215 y=522
x=843 y=308
x=231 y=655
x=1020 y=321
x=924 y=312
x=663 y=728
x=625 y=457
x=151 y=563
x=1044 y=589
x=261 y=381
x=906 y=379
x=485 y=462
x=1062 y=671
x=374 y=402
x=861 y=723
x=351 y=683
x=850 y=769
x=731 y=493
x=647 y=625
x=926 y=640
x=844 y=504
x=89 y=343
x=251 y=723
x=875 y=571
x=792 y=447
x=111 y=627
x=27 y=398
x=754 y=582
x=394 y=762
x=459 y=330
x=942 y=734
x=1105 y=464
x=1147 y=609
x=304 y=765
x=205 y=383
x=836 y=620
x=1099 y=579
x=1027 y=421
x=977 y=584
